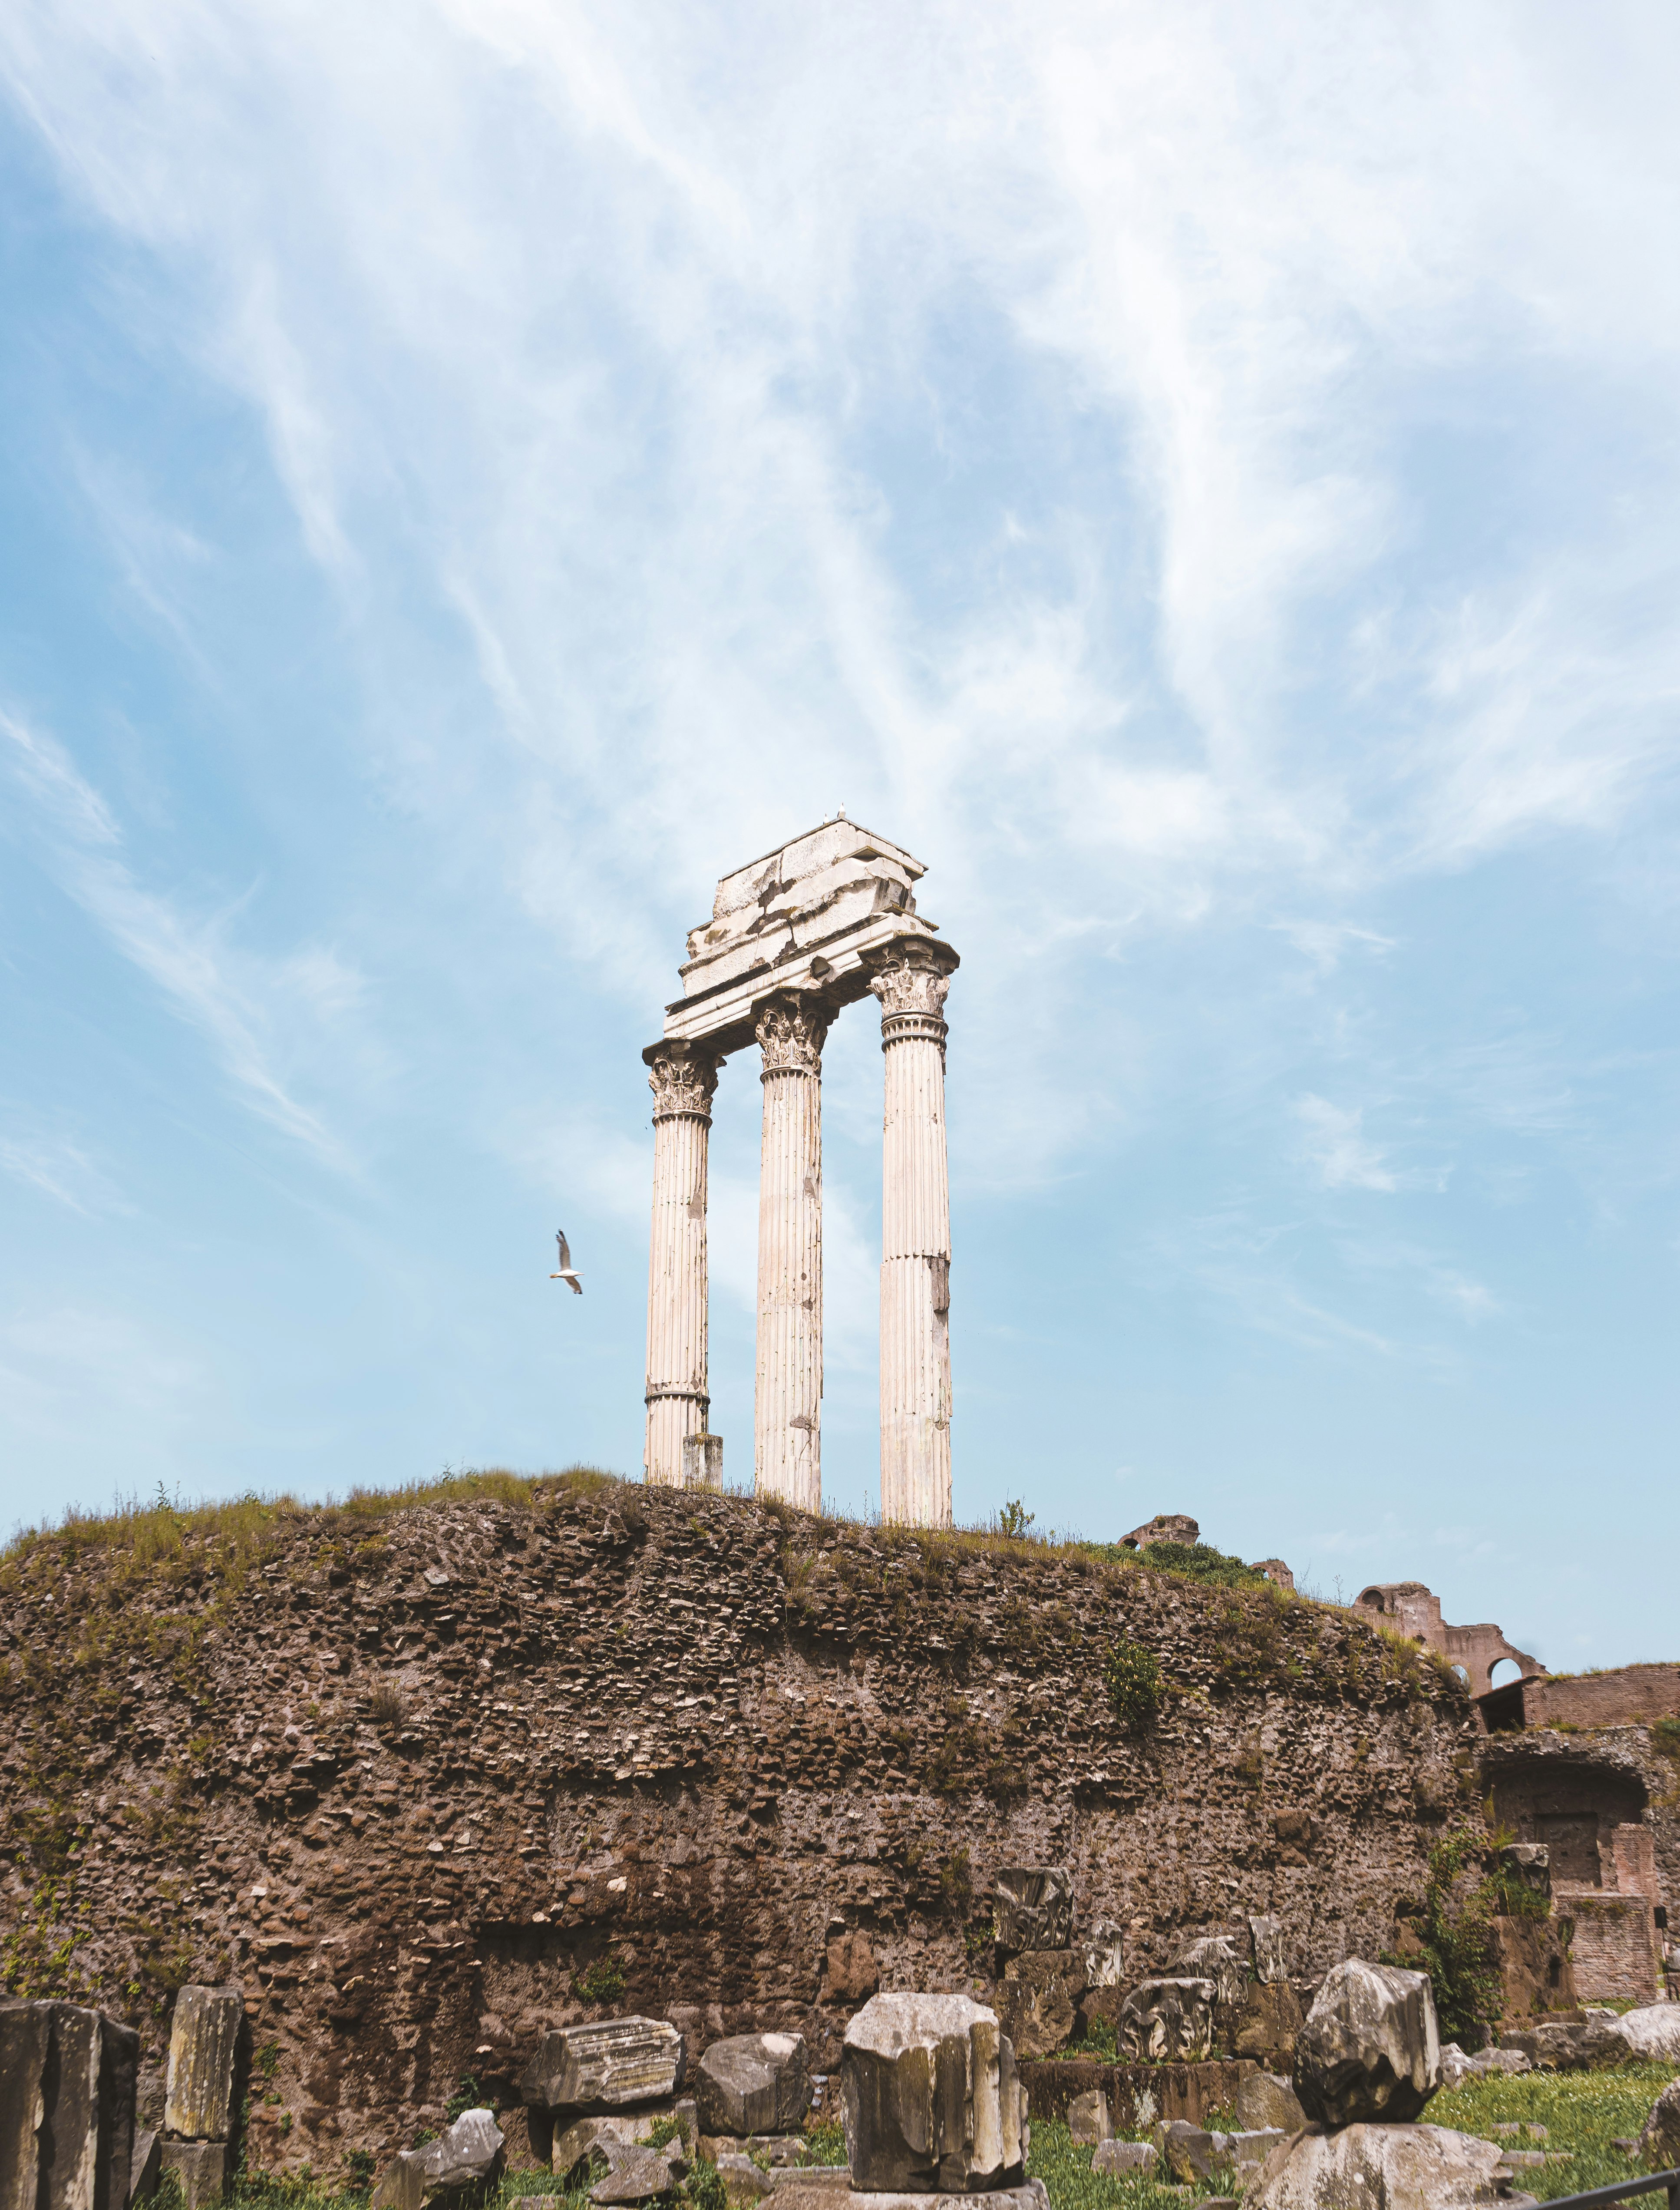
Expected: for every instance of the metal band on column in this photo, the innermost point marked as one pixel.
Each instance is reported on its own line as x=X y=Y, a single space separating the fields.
x=911 y=978
x=787 y=1392
x=683 y=1077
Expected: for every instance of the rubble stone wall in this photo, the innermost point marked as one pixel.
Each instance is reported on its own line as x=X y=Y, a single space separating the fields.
x=422 y=1785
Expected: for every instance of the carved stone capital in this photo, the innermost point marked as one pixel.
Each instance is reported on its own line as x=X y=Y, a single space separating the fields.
x=790 y=1032
x=683 y=1077
x=911 y=980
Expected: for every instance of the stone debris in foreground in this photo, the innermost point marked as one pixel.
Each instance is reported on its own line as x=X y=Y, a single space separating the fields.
x=1088 y=2118
x=636 y=2174
x=1263 y=2100
x=1381 y=2167
x=621 y=2061
x=1370 y=2047
x=203 y=2041
x=1187 y=2152
x=198 y=2168
x=800 y=2191
x=930 y=2098
x=1119 y=2159
x=753 y=2083
x=469 y=2155
x=67 y=2088
x=1659 y=2143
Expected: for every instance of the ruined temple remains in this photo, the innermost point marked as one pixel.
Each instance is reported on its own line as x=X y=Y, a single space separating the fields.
x=808 y=929
x=1408 y=1608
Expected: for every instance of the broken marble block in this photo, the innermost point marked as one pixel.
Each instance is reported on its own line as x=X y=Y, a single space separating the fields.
x=203 y=2044
x=1216 y=1957
x=1659 y=2143
x=1032 y=1908
x=638 y=2174
x=1265 y=1950
x=67 y=2095
x=1119 y=2159
x=1402 y=2167
x=199 y=2170
x=1037 y=2000
x=1166 y=2020
x=753 y=2083
x=1187 y=2151
x=1264 y=2101
x=467 y=2157
x=1370 y=2048
x=1104 y=1961
x=930 y=2098
x=604 y=2067
x=1089 y=2120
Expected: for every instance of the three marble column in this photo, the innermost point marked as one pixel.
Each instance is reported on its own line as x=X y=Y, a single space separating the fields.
x=910 y=979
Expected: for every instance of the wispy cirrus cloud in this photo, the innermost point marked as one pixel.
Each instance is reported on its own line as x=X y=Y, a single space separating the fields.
x=186 y=958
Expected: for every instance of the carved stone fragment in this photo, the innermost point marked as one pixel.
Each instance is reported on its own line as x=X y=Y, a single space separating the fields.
x=605 y=2066
x=930 y=2098
x=467 y=2157
x=1166 y=2020
x=1265 y=1950
x=753 y=2083
x=1369 y=2048
x=1033 y=1908
x=1036 y=2003
x=203 y=2044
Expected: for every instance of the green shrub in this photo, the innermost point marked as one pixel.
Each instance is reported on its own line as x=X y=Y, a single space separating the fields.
x=603 y=1982
x=1454 y=1926
x=1133 y=1682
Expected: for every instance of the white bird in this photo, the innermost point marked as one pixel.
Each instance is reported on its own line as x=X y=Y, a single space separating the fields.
x=565 y=1273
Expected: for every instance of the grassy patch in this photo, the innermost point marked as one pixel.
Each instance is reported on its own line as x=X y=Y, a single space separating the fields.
x=1064 y=2168
x=1582 y=2112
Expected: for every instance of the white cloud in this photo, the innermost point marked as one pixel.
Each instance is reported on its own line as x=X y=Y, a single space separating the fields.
x=1337 y=1146
x=186 y=958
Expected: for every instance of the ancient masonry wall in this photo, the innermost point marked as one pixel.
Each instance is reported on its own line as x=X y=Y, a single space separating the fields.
x=424 y=1785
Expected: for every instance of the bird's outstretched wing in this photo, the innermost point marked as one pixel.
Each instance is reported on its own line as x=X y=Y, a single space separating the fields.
x=565 y=1251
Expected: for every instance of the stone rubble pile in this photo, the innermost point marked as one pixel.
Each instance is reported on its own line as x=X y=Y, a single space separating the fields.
x=608 y=2094
x=1367 y=2061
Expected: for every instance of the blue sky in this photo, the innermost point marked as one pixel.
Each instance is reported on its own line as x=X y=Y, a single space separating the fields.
x=1204 y=479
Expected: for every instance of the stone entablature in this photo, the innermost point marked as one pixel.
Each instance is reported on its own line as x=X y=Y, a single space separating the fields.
x=825 y=920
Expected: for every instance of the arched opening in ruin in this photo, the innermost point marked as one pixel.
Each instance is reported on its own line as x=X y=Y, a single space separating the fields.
x=1502 y=1671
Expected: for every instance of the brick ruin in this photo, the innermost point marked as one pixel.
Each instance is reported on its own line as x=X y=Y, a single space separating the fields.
x=425 y=1784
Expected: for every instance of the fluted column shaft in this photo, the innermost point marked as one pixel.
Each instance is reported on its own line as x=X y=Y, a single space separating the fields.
x=682 y=1077
x=916 y=1240
x=787 y=1392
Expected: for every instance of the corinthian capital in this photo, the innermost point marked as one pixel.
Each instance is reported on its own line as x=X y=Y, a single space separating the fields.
x=911 y=977
x=790 y=1032
x=682 y=1077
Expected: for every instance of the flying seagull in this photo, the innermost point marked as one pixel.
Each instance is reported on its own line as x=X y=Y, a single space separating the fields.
x=565 y=1273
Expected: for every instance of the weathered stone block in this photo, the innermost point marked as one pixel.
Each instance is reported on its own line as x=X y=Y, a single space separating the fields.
x=804 y=2190
x=1088 y=2119
x=1267 y=2103
x=1254 y=2148
x=1119 y=2159
x=1652 y=2033
x=572 y=2144
x=1187 y=2151
x=1105 y=1955
x=146 y=2168
x=1216 y=1957
x=203 y=2045
x=1530 y=1862
x=461 y=2162
x=1266 y=2022
x=744 y=2181
x=622 y=2060
x=930 y=2098
x=1659 y=2143
x=753 y=2083
x=636 y=2174
x=1265 y=1950
x=1399 y=2167
x=67 y=2089
x=1369 y=2048
x=1032 y=1908
x=200 y=2169
x=1165 y=2020
x=1036 y=2002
